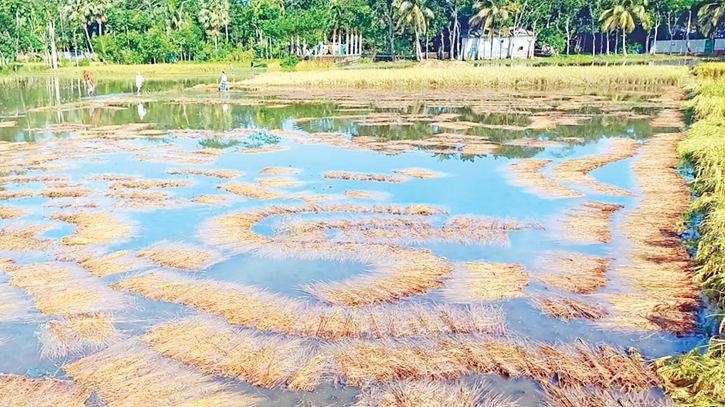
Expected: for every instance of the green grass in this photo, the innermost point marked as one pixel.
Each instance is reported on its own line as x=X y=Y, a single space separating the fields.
x=597 y=77
x=697 y=378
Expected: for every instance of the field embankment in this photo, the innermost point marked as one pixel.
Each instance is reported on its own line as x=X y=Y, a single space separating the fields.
x=595 y=77
x=697 y=378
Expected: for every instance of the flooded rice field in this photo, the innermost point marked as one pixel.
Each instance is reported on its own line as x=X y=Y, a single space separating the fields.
x=182 y=248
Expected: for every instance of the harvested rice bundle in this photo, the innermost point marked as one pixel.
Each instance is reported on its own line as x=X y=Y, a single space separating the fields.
x=217 y=348
x=25 y=391
x=10 y=212
x=150 y=203
x=419 y=173
x=65 y=192
x=210 y=173
x=593 y=396
x=279 y=170
x=590 y=222
x=24 y=238
x=364 y=177
x=21 y=193
x=360 y=194
x=59 y=289
x=251 y=306
x=461 y=229
x=307 y=197
x=130 y=374
x=527 y=171
x=484 y=280
x=250 y=190
x=277 y=182
x=111 y=177
x=236 y=228
x=576 y=364
x=430 y=393
x=398 y=274
x=75 y=334
x=150 y=183
x=577 y=272
x=210 y=199
x=263 y=149
x=178 y=160
x=33 y=178
x=75 y=203
x=178 y=255
x=478 y=148
x=137 y=195
x=577 y=170
x=674 y=118
x=92 y=227
x=569 y=308
x=574 y=262
x=112 y=263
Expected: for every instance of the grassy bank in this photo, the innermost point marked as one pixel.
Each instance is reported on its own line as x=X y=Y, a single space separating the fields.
x=584 y=59
x=698 y=377
x=472 y=77
x=152 y=71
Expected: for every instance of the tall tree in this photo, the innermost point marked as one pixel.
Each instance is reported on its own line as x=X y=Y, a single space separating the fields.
x=709 y=16
x=98 y=9
x=490 y=16
x=214 y=15
x=78 y=12
x=624 y=15
x=414 y=14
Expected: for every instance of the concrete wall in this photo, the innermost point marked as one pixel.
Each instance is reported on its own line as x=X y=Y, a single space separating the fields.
x=518 y=47
x=696 y=46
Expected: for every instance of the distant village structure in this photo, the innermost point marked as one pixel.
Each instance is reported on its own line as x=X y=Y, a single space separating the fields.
x=518 y=45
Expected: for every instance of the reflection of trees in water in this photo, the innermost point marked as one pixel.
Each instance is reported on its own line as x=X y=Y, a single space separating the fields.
x=218 y=143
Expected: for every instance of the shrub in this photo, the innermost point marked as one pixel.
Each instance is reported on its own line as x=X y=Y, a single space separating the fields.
x=290 y=62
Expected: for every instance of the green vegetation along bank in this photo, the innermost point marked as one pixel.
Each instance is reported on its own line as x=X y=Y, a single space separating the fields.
x=697 y=378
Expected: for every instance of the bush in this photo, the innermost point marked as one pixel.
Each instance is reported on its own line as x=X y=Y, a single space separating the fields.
x=241 y=55
x=290 y=62
x=553 y=38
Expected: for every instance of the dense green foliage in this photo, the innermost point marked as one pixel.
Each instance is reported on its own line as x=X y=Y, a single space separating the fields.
x=155 y=31
x=697 y=378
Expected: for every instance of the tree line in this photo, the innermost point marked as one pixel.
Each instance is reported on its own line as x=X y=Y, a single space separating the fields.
x=152 y=31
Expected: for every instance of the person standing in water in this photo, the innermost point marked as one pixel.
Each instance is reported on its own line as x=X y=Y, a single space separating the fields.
x=223 y=84
x=139 y=83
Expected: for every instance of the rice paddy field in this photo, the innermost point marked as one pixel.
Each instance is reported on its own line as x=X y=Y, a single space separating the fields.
x=471 y=244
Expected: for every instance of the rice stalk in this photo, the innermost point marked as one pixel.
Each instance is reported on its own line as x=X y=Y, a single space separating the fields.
x=25 y=391
x=92 y=227
x=253 y=307
x=364 y=177
x=130 y=374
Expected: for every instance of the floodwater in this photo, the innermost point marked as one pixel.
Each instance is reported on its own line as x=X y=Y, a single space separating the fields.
x=477 y=184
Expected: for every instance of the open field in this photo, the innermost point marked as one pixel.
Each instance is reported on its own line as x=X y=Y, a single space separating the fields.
x=355 y=245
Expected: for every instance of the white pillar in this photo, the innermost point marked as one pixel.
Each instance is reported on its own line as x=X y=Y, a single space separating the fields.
x=353 y=46
x=360 y=46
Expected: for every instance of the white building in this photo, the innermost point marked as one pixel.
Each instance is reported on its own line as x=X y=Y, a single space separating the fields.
x=519 y=45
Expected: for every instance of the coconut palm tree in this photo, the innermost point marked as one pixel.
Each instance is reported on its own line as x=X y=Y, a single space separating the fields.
x=98 y=11
x=490 y=16
x=624 y=15
x=214 y=15
x=710 y=16
x=414 y=14
x=79 y=12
